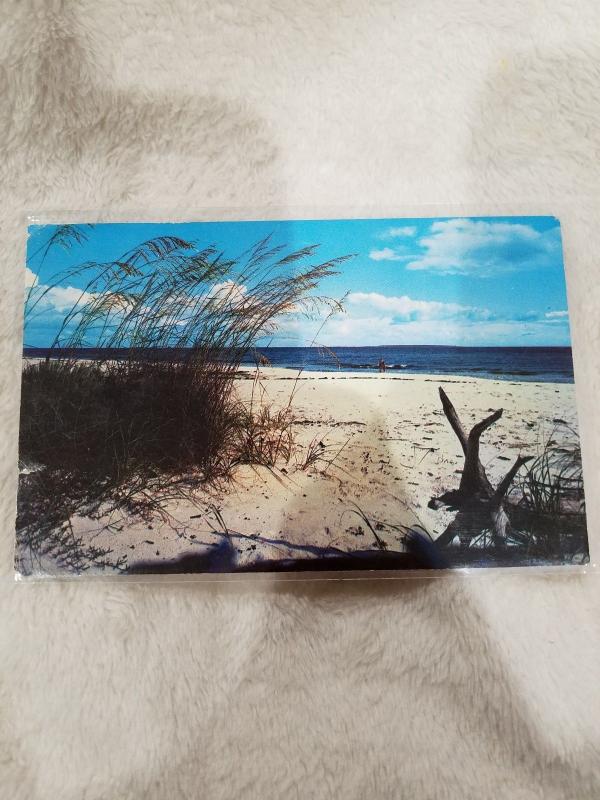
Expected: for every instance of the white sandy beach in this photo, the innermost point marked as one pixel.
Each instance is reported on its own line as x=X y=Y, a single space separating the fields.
x=395 y=451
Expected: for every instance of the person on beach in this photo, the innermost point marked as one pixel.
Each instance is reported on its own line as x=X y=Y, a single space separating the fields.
x=381 y=365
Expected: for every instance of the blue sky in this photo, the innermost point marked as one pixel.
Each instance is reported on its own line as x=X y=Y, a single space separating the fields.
x=458 y=281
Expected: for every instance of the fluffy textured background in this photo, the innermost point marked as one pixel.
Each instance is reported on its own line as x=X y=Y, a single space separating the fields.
x=459 y=688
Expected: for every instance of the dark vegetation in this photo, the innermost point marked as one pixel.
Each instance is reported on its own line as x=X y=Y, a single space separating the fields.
x=156 y=416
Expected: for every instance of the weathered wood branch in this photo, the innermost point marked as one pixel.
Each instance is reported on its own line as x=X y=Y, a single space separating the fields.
x=481 y=507
x=482 y=426
x=453 y=419
x=506 y=481
x=474 y=481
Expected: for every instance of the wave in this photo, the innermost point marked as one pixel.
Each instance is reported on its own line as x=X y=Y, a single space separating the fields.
x=455 y=369
x=350 y=365
x=527 y=364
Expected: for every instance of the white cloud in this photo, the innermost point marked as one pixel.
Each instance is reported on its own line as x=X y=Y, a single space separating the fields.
x=63 y=298
x=405 y=308
x=480 y=247
x=388 y=254
x=557 y=314
x=228 y=290
x=374 y=319
x=57 y=299
x=398 y=233
x=378 y=329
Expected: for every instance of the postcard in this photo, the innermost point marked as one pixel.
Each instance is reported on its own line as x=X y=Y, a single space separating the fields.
x=323 y=395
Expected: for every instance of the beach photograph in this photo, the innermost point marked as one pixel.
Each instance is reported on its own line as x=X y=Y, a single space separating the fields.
x=335 y=395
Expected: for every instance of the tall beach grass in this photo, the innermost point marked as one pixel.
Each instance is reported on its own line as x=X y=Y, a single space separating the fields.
x=170 y=323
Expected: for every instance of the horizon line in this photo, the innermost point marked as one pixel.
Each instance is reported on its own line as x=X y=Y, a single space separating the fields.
x=318 y=347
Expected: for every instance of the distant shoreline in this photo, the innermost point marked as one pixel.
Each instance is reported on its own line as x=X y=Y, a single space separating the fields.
x=538 y=364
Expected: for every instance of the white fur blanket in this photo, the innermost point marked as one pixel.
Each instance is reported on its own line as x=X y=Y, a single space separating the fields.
x=482 y=687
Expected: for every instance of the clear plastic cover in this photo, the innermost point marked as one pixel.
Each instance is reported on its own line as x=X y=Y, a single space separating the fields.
x=300 y=394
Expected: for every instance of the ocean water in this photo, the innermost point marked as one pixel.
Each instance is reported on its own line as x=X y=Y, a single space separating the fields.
x=549 y=364
x=539 y=364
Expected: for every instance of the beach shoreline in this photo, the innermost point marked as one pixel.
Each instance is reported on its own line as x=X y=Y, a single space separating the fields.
x=291 y=373
x=382 y=447
x=473 y=362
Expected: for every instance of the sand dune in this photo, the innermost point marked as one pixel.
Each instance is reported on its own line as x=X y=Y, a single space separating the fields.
x=391 y=450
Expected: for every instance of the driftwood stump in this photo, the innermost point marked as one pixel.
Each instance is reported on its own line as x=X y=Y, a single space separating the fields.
x=480 y=506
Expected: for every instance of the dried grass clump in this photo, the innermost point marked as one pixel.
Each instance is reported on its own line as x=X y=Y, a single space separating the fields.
x=169 y=324
x=553 y=484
